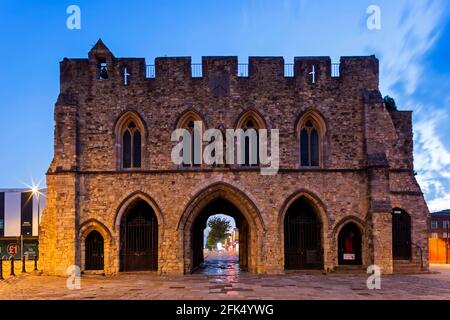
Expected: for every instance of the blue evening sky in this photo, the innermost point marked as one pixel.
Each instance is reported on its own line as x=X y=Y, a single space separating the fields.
x=413 y=46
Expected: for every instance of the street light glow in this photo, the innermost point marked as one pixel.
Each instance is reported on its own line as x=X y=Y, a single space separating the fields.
x=35 y=189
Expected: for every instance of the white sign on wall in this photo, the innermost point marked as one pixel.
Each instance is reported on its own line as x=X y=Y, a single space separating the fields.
x=349 y=256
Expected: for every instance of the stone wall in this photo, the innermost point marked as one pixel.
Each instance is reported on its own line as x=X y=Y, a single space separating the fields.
x=365 y=171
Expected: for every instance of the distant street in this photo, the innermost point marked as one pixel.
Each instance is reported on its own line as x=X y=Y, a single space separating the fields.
x=220 y=263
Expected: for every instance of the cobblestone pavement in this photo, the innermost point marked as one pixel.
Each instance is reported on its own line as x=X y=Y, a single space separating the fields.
x=312 y=285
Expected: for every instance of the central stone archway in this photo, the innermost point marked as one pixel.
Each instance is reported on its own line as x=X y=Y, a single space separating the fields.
x=233 y=202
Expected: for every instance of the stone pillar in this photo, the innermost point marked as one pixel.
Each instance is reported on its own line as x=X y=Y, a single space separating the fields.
x=379 y=200
x=382 y=240
x=274 y=250
x=58 y=245
x=380 y=211
x=58 y=232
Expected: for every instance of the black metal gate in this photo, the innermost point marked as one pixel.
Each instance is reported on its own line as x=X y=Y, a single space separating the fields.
x=302 y=237
x=94 y=251
x=349 y=245
x=139 y=239
x=401 y=235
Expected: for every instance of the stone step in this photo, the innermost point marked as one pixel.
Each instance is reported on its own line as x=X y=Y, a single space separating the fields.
x=407 y=266
x=400 y=262
x=411 y=271
x=350 y=269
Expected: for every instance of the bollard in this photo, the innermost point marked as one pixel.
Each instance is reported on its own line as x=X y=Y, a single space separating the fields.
x=12 y=267
x=1 y=269
x=24 y=270
x=35 y=263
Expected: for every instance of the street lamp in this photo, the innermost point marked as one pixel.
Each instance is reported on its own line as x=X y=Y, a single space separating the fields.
x=36 y=192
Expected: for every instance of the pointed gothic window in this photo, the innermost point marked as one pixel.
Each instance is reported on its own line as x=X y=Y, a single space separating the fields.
x=191 y=146
x=131 y=146
x=309 y=144
x=251 y=122
x=251 y=144
x=192 y=152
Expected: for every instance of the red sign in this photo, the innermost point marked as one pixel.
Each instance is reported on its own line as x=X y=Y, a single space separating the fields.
x=13 y=249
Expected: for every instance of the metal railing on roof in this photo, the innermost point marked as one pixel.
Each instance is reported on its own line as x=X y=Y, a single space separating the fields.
x=150 y=71
x=289 y=70
x=335 y=69
x=196 y=70
x=242 y=70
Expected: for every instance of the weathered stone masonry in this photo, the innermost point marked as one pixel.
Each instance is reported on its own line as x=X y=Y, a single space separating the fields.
x=366 y=166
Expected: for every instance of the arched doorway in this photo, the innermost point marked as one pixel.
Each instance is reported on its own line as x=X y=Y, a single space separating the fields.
x=94 y=251
x=139 y=238
x=223 y=207
x=349 y=245
x=302 y=237
x=401 y=234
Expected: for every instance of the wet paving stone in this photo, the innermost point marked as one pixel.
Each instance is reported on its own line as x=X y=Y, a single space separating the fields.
x=239 y=286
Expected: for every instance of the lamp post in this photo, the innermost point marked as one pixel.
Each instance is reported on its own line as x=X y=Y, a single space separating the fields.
x=35 y=190
x=39 y=209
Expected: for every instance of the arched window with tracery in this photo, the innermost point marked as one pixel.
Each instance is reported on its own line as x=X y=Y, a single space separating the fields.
x=251 y=122
x=129 y=141
x=248 y=141
x=309 y=145
x=192 y=144
x=311 y=130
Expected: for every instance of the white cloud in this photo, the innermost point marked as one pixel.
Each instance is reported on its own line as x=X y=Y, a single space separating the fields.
x=410 y=28
x=433 y=154
x=441 y=203
x=432 y=159
x=402 y=46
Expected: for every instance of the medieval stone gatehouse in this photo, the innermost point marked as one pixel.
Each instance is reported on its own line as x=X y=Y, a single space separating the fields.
x=345 y=192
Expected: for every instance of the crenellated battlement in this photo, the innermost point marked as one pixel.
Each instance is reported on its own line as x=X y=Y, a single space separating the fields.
x=103 y=66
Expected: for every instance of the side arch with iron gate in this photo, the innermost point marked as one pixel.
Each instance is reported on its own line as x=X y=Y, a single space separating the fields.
x=94 y=251
x=401 y=235
x=95 y=246
x=304 y=227
x=138 y=244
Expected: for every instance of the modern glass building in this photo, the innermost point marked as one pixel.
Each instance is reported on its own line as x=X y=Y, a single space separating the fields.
x=20 y=211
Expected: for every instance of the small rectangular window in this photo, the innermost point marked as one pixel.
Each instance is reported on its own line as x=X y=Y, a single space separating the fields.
x=445 y=224
x=444 y=235
x=434 y=224
x=434 y=235
x=102 y=70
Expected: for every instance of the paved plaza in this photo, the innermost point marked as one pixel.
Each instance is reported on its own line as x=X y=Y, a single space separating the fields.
x=220 y=279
